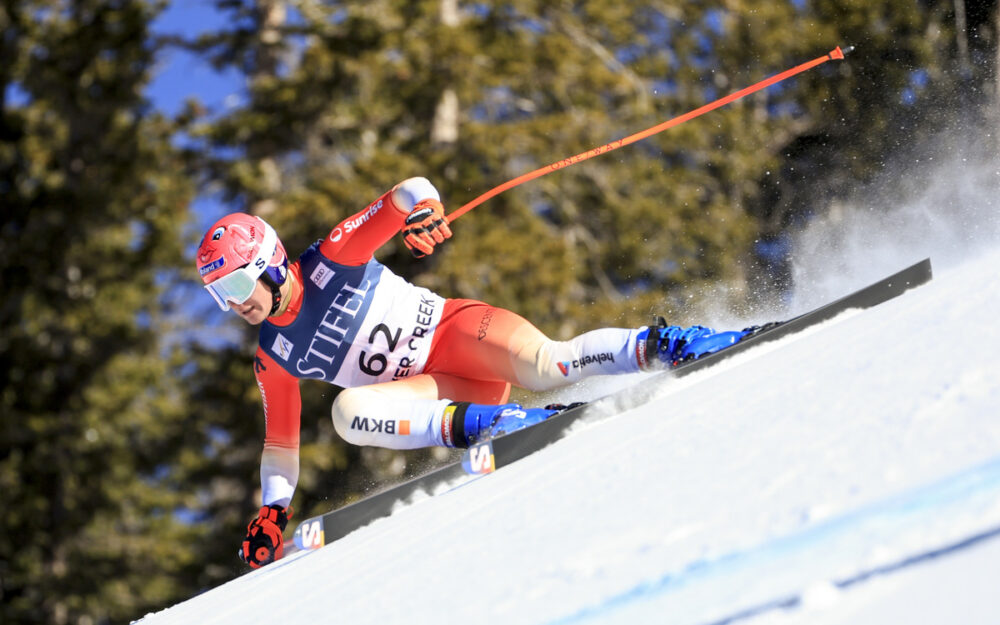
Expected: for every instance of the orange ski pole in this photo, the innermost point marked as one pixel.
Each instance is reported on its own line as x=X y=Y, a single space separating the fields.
x=836 y=53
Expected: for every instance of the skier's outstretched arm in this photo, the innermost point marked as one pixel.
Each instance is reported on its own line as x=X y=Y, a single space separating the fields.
x=279 y=463
x=279 y=393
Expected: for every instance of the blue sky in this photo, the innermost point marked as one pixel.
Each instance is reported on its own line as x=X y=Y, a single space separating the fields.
x=181 y=75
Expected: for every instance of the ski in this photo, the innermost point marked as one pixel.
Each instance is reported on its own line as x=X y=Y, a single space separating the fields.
x=488 y=456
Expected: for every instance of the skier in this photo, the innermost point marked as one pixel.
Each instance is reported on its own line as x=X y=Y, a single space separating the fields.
x=417 y=369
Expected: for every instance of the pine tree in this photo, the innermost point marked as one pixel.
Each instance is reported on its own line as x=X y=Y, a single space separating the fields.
x=93 y=201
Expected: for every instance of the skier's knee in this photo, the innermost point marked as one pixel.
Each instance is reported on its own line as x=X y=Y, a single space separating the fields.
x=543 y=372
x=369 y=417
x=346 y=407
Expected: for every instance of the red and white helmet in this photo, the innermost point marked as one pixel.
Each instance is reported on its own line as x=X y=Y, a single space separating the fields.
x=236 y=251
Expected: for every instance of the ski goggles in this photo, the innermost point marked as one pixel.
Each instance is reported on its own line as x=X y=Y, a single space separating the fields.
x=237 y=286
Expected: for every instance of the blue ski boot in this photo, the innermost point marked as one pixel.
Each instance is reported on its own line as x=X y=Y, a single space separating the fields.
x=512 y=417
x=674 y=344
x=472 y=423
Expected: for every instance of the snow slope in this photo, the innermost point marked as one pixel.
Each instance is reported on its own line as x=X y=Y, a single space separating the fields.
x=848 y=474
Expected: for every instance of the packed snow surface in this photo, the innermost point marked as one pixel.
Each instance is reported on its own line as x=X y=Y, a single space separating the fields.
x=847 y=474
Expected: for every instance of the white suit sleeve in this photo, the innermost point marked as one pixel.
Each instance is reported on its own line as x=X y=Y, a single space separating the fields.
x=279 y=473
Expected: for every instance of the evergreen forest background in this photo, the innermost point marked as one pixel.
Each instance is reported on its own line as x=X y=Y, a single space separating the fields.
x=130 y=423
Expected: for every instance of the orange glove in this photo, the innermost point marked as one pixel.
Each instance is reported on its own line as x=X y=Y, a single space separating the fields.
x=425 y=227
x=264 y=543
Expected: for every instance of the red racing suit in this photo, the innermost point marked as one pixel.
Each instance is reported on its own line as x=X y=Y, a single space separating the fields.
x=354 y=323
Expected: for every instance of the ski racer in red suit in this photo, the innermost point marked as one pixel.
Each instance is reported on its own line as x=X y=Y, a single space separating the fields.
x=417 y=369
